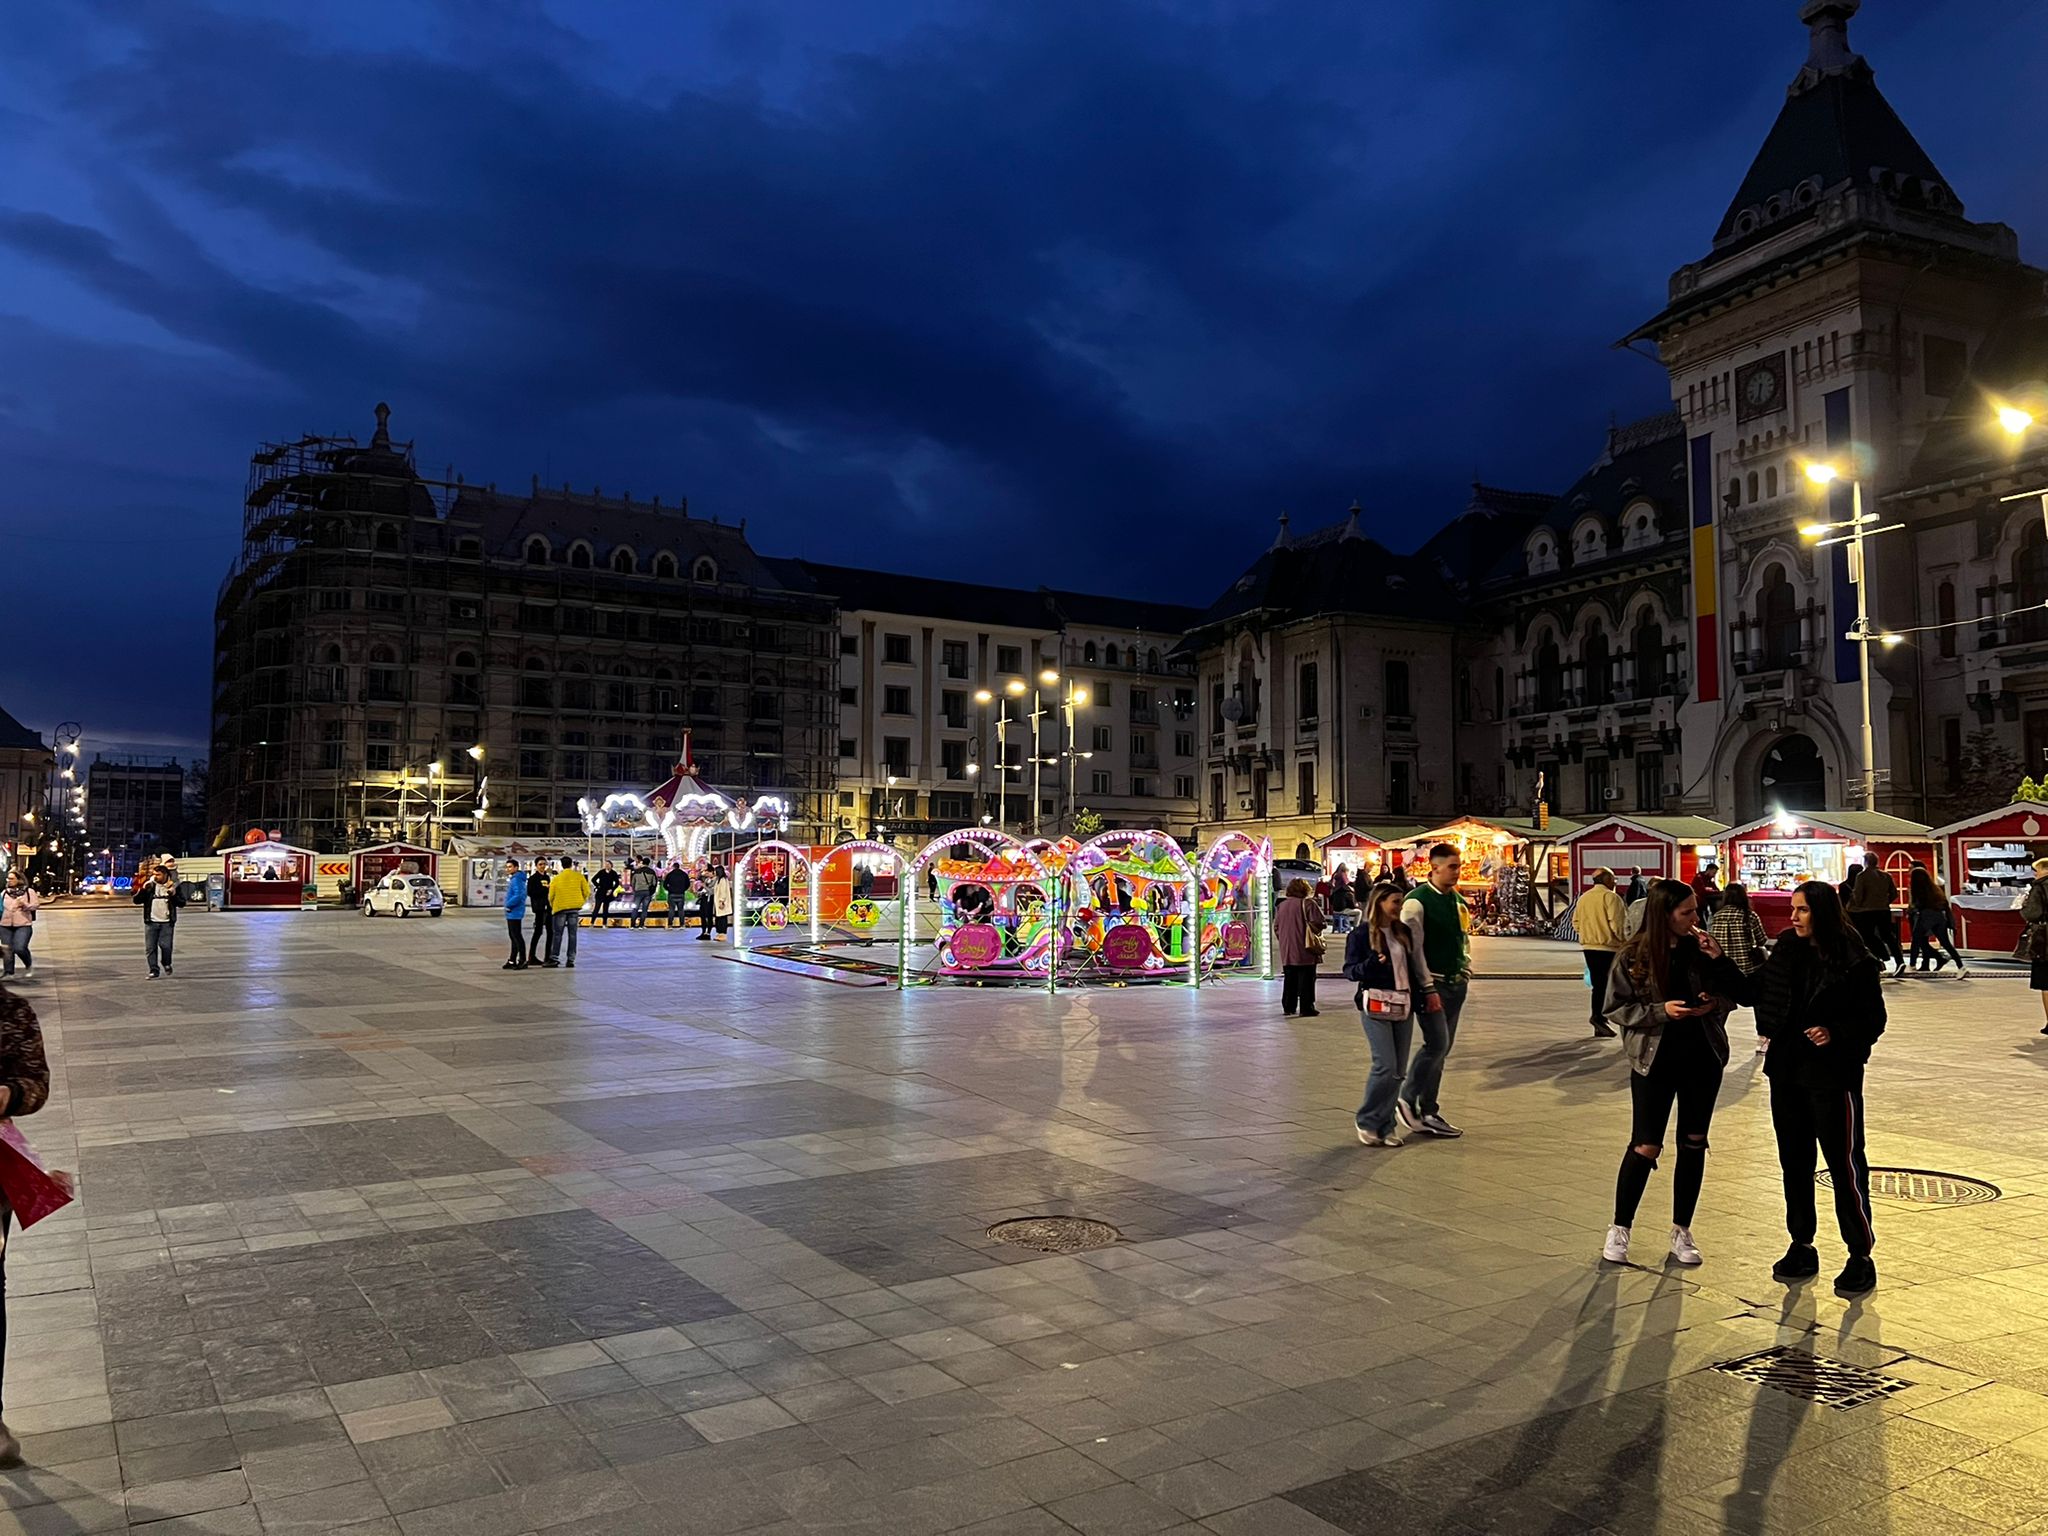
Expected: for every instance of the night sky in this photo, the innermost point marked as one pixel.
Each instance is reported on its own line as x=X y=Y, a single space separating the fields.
x=1083 y=294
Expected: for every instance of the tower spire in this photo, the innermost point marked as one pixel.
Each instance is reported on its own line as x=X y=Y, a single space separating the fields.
x=1827 y=46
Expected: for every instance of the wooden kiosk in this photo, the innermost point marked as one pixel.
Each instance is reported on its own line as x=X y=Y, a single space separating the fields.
x=1990 y=862
x=1774 y=854
x=274 y=875
x=369 y=865
x=1656 y=847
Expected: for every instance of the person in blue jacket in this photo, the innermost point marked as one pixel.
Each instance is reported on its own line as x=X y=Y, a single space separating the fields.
x=515 y=914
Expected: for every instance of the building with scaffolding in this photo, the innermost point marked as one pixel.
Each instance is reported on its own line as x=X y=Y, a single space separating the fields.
x=402 y=656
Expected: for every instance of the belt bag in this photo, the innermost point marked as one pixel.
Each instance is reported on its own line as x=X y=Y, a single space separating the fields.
x=1385 y=1004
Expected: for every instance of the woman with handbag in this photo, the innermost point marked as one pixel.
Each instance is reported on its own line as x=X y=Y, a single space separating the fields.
x=18 y=905
x=1669 y=996
x=1298 y=938
x=1393 y=985
x=24 y=1084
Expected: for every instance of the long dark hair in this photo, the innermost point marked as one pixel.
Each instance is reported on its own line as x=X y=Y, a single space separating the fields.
x=1735 y=897
x=1831 y=939
x=1649 y=952
x=1926 y=894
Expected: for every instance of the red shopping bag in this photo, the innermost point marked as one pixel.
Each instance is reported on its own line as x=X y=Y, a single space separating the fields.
x=31 y=1189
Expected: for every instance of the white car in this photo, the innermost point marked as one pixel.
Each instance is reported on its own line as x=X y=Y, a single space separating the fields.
x=404 y=896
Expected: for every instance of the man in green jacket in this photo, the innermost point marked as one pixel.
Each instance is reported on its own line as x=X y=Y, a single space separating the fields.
x=1441 y=927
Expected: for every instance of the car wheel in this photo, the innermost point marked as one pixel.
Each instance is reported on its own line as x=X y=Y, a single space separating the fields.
x=436 y=911
x=402 y=910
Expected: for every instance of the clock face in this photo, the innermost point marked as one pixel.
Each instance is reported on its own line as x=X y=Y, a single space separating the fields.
x=1760 y=387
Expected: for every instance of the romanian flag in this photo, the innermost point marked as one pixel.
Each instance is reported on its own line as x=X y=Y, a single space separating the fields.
x=1705 y=570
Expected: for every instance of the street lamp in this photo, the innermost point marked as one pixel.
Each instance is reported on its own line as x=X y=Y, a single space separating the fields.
x=984 y=697
x=1075 y=696
x=1046 y=679
x=1853 y=533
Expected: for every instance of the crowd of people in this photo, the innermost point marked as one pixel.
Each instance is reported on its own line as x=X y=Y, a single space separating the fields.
x=555 y=892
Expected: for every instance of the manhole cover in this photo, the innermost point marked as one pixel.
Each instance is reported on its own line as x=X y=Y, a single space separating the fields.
x=1817 y=1379
x=1055 y=1234
x=1919 y=1186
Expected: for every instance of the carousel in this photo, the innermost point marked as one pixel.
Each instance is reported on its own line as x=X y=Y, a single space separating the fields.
x=688 y=818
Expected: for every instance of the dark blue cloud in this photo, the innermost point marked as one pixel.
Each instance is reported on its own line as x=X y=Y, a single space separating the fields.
x=929 y=282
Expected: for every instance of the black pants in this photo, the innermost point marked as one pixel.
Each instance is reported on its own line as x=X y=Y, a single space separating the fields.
x=1880 y=934
x=543 y=937
x=516 y=927
x=1930 y=929
x=1298 y=989
x=6 y=1222
x=675 y=910
x=1684 y=1072
x=603 y=915
x=1599 y=966
x=1832 y=1119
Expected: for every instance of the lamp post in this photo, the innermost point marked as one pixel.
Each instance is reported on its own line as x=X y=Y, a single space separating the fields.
x=1853 y=533
x=1075 y=696
x=983 y=696
x=440 y=788
x=1046 y=679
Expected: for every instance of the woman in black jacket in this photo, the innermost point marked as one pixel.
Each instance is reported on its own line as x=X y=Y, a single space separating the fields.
x=1821 y=1005
x=24 y=1085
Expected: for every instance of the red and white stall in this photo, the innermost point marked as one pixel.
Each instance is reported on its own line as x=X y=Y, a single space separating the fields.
x=1775 y=854
x=268 y=875
x=369 y=865
x=1991 y=865
x=1366 y=853
x=1655 y=847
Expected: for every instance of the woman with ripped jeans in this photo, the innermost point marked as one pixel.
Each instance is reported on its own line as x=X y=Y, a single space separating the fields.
x=1669 y=995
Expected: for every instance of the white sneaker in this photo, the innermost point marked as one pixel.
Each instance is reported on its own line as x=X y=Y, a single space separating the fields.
x=1683 y=1249
x=1616 y=1249
x=1373 y=1139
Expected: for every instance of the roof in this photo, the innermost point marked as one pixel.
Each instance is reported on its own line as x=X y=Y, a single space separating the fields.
x=607 y=523
x=2018 y=807
x=1864 y=824
x=1338 y=570
x=1123 y=612
x=1522 y=827
x=1835 y=128
x=1390 y=835
x=1495 y=521
x=1680 y=829
x=14 y=736
x=1643 y=461
x=932 y=597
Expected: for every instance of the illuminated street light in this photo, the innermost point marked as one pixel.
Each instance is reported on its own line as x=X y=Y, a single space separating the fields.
x=477 y=752
x=2014 y=419
x=1820 y=472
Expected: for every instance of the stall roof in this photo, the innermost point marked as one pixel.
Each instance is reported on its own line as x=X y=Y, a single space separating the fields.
x=246 y=848
x=395 y=847
x=2036 y=807
x=1521 y=827
x=1864 y=824
x=1680 y=829
x=1386 y=834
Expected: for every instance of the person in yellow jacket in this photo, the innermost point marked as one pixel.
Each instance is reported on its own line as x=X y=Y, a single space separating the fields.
x=568 y=891
x=1600 y=918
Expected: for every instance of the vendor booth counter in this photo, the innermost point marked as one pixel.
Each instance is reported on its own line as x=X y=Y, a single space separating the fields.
x=1773 y=855
x=274 y=875
x=1990 y=868
x=1655 y=847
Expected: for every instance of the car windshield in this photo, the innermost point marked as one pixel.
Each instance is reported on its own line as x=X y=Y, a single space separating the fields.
x=418 y=880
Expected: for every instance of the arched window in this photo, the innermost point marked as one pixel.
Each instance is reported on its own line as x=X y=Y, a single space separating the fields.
x=1752 y=485
x=329 y=535
x=1152 y=659
x=332 y=655
x=1599 y=664
x=618 y=698
x=1945 y=613
x=1771 y=480
x=1542 y=554
x=1649 y=653
x=381 y=656
x=703 y=694
x=763 y=702
x=1777 y=608
x=1110 y=654
x=1088 y=652
x=665 y=566
x=579 y=555
x=705 y=569
x=1549 y=676
x=2030 y=584
x=387 y=538
x=464 y=659
x=1735 y=492
x=623 y=562
x=663 y=675
x=536 y=551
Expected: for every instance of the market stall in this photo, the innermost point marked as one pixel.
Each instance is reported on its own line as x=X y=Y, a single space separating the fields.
x=1655 y=847
x=1366 y=854
x=482 y=862
x=268 y=875
x=1774 y=854
x=1515 y=874
x=1990 y=860
x=369 y=865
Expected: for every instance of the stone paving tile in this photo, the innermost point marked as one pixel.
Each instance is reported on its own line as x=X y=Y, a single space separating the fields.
x=661 y=1122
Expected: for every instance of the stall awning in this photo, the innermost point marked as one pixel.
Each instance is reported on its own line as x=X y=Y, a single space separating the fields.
x=1678 y=829
x=1985 y=818
x=1373 y=835
x=1522 y=829
x=1863 y=826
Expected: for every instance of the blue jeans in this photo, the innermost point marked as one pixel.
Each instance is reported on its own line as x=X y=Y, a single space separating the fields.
x=156 y=940
x=642 y=900
x=1439 y=1034
x=566 y=925
x=14 y=943
x=1389 y=1042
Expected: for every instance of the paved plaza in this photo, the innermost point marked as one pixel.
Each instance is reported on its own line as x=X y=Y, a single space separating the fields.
x=375 y=1236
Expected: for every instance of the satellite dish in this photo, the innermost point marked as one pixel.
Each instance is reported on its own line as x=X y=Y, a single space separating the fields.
x=1233 y=709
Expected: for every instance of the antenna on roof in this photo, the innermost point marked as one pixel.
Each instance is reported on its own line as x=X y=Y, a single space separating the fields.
x=1351 y=528
x=1281 y=539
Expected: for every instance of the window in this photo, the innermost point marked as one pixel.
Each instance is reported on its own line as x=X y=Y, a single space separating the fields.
x=2030 y=589
x=1216 y=709
x=1141 y=743
x=1650 y=672
x=1100 y=739
x=537 y=616
x=958 y=809
x=953 y=657
x=896 y=649
x=463 y=681
x=1141 y=704
x=387 y=538
x=384 y=676
x=1305 y=787
x=953 y=759
x=575 y=765
x=1103 y=691
x=617 y=767
x=1110 y=655
x=849 y=695
x=703 y=696
x=1184 y=786
x=536 y=551
x=705 y=569
x=532 y=764
x=1771 y=480
x=1183 y=743
x=848 y=747
x=1398 y=705
x=1464 y=695
x=1735 y=491
x=1098 y=782
x=849 y=645
x=1945 y=613
x=953 y=708
x=1010 y=658
x=895 y=700
x=574 y=620
x=1400 y=787
x=665 y=566
x=764 y=703
x=1952 y=751
x=1649 y=781
x=623 y=562
x=1549 y=676
x=1596 y=786
x=705 y=632
x=1599 y=666
x=1141 y=788
x=1778 y=613
x=1542 y=555
x=1500 y=693
x=1943 y=362
x=1215 y=797
x=1088 y=652
x=896 y=756
x=579 y=555
x=577 y=693
x=618 y=698
x=377 y=757
x=335 y=602
x=662 y=701
x=1752 y=485
x=1307 y=694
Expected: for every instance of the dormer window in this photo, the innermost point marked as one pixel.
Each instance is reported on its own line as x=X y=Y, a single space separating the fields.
x=1639 y=526
x=1589 y=541
x=579 y=555
x=706 y=569
x=536 y=551
x=1542 y=554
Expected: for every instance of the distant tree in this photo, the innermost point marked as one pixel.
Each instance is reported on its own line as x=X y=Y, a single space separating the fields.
x=1990 y=777
x=1087 y=824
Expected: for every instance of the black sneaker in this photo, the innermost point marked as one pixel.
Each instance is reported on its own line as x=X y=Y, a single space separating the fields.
x=1858 y=1278
x=509 y=965
x=1801 y=1262
x=1603 y=1030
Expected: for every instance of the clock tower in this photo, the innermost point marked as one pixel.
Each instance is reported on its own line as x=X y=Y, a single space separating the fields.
x=1832 y=318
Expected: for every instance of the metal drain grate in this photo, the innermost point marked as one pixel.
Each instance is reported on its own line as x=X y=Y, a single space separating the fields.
x=1920 y=1186
x=1817 y=1379
x=1055 y=1234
